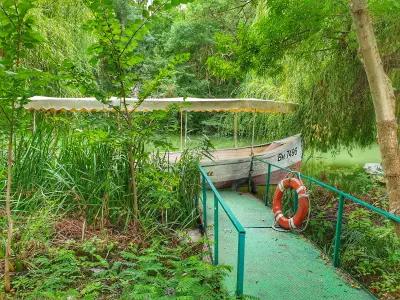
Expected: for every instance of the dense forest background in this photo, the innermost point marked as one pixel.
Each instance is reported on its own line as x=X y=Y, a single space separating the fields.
x=300 y=52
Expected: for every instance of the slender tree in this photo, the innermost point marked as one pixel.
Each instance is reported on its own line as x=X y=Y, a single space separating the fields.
x=17 y=84
x=118 y=54
x=384 y=102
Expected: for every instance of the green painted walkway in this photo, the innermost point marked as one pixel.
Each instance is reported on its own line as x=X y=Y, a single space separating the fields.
x=278 y=265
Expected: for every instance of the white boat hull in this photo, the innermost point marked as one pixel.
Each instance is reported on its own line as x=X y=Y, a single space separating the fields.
x=235 y=166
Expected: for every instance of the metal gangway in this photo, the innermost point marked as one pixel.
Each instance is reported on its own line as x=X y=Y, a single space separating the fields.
x=267 y=263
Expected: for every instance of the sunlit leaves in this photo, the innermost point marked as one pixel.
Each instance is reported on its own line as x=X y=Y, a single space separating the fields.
x=285 y=26
x=167 y=4
x=17 y=33
x=17 y=82
x=151 y=85
x=223 y=64
x=118 y=51
x=309 y=51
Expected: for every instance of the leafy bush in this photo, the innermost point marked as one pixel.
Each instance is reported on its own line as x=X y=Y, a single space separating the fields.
x=87 y=271
x=370 y=249
x=372 y=252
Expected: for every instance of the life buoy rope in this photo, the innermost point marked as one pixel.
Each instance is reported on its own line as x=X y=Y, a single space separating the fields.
x=303 y=210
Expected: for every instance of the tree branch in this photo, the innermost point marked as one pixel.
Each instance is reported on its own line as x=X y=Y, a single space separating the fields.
x=8 y=17
x=140 y=28
x=241 y=6
x=5 y=114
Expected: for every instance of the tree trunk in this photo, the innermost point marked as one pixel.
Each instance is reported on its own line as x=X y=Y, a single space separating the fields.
x=384 y=102
x=235 y=129
x=131 y=159
x=132 y=168
x=7 y=259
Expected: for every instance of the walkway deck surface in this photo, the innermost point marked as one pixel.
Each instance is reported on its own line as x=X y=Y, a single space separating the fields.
x=278 y=265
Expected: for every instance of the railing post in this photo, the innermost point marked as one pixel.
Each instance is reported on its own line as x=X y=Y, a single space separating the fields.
x=204 y=190
x=267 y=181
x=215 y=230
x=336 y=251
x=240 y=264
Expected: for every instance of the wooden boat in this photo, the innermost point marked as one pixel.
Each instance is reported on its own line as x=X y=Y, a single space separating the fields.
x=230 y=167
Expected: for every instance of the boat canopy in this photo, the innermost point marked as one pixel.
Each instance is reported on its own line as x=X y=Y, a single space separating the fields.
x=39 y=103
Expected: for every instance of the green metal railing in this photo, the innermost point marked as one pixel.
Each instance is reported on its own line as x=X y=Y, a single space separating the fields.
x=342 y=197
x=218 y=200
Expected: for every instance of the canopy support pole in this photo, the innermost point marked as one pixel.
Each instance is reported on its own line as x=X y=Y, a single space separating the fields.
x=34 y=122
x=181 y=129
x=235 y=129
x=186 y=125
x=250 y=179
x=253 y=132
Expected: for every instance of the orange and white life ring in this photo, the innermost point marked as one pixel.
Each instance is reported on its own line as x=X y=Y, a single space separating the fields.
x=303 y=205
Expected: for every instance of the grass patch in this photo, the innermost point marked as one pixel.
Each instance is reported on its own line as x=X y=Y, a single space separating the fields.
x=351 y=158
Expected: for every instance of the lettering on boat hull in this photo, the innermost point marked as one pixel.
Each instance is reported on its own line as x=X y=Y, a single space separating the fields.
x=230 y=166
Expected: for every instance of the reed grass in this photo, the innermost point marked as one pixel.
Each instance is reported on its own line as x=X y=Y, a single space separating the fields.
x=72 y=160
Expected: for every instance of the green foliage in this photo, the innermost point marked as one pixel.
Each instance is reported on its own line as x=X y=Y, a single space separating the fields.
x=56 y=272
x=17 y=83
x=370 y=249
x=346 y=178
x=63 y=38
x=75 y=160
x=117 y=53
x=36 y=229
x=309 y=51
x=299 y=51
x=222 y=64
x=33 y=229
x=373 y=251
x=89 y=271
x=168 y=191
x=117 y=49
x=310 y=54
x=17 y=35
x=205 y=29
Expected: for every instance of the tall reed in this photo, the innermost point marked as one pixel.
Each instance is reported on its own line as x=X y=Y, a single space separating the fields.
x=72 y=159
